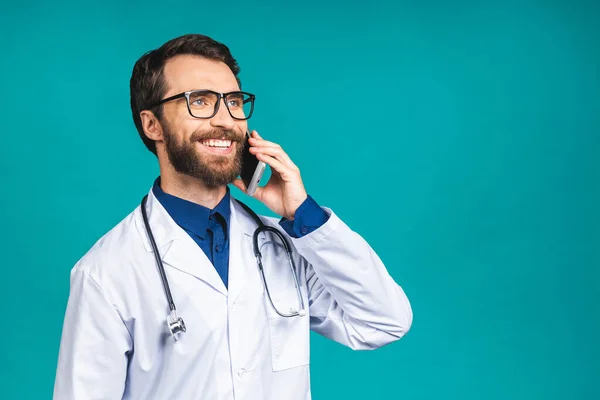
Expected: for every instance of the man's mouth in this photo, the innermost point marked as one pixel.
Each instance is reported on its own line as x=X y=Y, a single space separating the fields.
x=223 y=144
x=218 y=146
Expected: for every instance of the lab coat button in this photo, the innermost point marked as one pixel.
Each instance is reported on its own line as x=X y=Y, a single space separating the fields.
x=242 y=372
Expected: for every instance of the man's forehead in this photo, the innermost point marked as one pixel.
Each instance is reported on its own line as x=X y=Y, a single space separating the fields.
x=189 y=72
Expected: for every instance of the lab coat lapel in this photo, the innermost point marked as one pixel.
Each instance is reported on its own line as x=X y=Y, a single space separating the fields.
x=185 y=255
x=177 y=249
x=241 y=256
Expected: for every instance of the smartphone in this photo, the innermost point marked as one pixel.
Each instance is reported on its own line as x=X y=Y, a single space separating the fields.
x=252 y=168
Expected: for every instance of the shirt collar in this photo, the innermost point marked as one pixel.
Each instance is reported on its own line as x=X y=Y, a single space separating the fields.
x=189 y=215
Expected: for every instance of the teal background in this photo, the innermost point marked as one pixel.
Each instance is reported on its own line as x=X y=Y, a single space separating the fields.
x=461 y=139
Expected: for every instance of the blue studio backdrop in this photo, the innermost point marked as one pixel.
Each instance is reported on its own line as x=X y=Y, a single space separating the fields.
x=461 y=139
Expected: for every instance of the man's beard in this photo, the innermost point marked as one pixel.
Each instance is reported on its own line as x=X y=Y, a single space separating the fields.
x=213 y=170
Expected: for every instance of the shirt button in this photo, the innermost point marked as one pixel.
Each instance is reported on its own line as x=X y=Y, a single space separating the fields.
x=218 y=249
x=304 y=230
x=210 y=216
x=241 y=373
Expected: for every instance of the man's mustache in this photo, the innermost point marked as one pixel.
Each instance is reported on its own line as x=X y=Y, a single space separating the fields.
x=217 y=134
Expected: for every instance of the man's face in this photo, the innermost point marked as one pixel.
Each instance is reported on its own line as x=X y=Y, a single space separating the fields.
x=207 y=149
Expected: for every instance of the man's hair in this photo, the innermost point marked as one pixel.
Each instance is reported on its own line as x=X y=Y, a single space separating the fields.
x=147 y=85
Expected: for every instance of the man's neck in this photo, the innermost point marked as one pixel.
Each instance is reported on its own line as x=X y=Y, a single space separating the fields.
x=191 y=189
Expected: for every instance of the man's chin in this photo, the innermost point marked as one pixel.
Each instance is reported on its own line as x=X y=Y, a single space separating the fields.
x=216 y=177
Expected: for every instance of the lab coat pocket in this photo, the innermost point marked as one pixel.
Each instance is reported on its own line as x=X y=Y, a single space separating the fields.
x=289 y=335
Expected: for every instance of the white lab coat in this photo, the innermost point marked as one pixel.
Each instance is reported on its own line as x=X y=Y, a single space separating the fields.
x=115 y=342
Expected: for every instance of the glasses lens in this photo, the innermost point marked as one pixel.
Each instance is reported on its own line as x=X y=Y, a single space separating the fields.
x=202 y=103
x=240 y=105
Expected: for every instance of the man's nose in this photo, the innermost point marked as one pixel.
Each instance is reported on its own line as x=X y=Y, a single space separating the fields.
x=222 y=119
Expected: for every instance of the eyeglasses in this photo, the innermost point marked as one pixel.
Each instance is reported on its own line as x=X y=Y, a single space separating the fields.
x=205 y=103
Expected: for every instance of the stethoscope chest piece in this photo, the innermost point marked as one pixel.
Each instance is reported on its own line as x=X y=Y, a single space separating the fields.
x=175 y=323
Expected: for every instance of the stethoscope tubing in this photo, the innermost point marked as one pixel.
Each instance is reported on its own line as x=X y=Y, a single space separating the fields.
x=159 y=263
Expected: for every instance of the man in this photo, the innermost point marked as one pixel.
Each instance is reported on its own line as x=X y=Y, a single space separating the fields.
x=190 y=112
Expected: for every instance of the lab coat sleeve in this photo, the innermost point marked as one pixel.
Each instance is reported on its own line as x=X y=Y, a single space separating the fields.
x=352 y=298
x=94 y=347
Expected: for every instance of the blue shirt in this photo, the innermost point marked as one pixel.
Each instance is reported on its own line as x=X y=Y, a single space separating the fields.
x=210 y=228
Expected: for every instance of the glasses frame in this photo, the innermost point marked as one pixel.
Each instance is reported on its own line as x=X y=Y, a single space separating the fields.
x=221 y=96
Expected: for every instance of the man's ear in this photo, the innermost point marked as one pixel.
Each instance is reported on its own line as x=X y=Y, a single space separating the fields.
x=151 y=126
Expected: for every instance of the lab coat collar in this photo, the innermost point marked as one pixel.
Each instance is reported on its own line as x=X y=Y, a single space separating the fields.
x=178 y=250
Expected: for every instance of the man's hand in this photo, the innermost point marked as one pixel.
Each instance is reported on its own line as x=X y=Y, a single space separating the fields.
x=284 y=192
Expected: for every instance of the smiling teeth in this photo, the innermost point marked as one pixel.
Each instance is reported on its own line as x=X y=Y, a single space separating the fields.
x=217 y=143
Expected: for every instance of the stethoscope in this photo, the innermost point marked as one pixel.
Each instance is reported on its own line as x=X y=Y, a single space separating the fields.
x=174 y=322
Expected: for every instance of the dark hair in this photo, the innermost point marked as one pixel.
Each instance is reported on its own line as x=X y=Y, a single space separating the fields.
x=147 y=84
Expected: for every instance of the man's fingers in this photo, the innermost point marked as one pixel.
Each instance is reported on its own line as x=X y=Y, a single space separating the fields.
x=276 y=152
